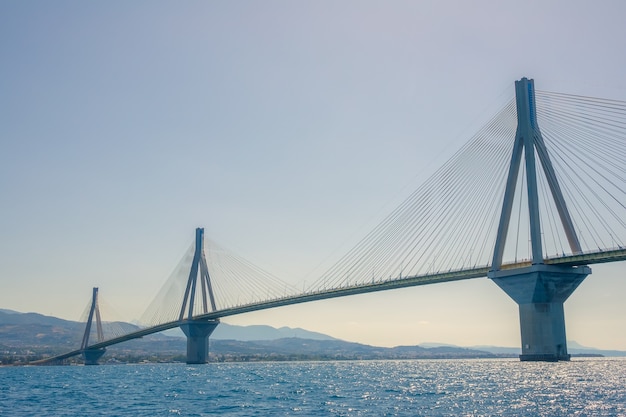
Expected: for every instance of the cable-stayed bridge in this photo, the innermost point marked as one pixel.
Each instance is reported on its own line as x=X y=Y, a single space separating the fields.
x=530 y=208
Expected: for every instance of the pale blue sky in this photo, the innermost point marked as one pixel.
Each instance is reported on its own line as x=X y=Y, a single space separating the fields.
x=286 y=129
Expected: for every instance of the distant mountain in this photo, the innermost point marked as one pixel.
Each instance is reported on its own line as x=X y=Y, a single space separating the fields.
x=573 y=348
x=578 y=349
x=8 y=316
x=32 y=329
x=39 y=333
x=227 y=331
x=37 y=330
x=307 y=349
x=499 y=349
x=431 y=345
x=27 y=336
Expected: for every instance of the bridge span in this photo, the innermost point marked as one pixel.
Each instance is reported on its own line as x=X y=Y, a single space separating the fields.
x=570 y=199
x=597 y=257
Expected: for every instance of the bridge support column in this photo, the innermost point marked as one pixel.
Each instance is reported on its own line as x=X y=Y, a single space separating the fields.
x=540 y=291
x=91 y=356
x=198 y=333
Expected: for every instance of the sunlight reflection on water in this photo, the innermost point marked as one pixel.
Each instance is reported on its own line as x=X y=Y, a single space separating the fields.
x=377 y=388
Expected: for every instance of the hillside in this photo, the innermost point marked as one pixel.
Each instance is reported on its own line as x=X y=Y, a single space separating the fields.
x=28 y=336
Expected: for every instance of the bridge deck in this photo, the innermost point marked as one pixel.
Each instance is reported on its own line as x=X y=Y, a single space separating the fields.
x=613 y=255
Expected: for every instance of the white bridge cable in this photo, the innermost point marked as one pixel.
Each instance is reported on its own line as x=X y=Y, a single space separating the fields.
x=556 y=238
x=82 y=323
x=587 y=141
x=603 y=166
x=593 y=144
x=449 y=222
x=470 y=181
x=166 y=305
x=445 y=224
x=476 y=208
x=111 y=324
x=582 y=204
x=466 y=205
x=590 y=139
x=234 y=280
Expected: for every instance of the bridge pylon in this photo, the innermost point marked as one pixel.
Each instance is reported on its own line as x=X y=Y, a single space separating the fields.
x=91 y=356
x=198 y=331
x=539 y=290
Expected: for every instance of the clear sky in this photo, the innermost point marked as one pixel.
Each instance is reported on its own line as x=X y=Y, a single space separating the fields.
x=286 y=129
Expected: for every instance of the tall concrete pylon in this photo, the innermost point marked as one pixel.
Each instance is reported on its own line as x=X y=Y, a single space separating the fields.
x=91 y=356
x=198 y=331
x=539 y=290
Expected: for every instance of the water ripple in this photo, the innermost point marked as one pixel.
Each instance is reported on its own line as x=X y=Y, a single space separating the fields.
x=584 y=387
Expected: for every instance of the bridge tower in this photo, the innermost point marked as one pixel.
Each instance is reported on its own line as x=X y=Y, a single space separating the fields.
x=539 y=290
x=198 y=331
x=91 y=356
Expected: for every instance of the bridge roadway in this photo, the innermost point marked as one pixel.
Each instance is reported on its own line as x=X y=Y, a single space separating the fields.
x=596 y=257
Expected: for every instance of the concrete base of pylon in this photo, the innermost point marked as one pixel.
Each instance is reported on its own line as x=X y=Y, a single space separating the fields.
x=91 y=356
x=540 y=291
x=198 y=333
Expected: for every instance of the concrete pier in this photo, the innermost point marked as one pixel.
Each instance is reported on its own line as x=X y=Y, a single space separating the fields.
x=91 y=356
x=198 y=333
x=540 y=291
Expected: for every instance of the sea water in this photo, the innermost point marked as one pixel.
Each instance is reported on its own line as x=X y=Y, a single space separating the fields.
x=582 y=387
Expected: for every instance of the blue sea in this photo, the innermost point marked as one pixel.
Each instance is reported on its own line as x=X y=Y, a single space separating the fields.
x=582 y=387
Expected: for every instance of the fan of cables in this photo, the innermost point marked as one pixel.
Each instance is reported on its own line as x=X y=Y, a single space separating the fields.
x=450 y=222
